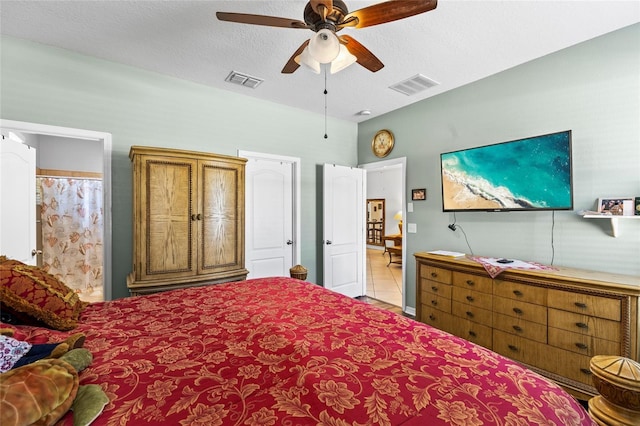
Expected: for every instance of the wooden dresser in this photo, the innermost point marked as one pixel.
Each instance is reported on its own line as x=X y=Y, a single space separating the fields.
x=188 y=219
x=552 y=321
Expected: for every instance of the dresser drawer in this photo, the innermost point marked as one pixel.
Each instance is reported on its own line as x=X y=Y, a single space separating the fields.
x=472 y=313
x=568 y=364
x=583 y=344
x=435 y=274
x=471 y=297
x=521 y=292
x=429 y=287
x=436 y=302
x=473 y=282
x=527 y=329
x=597 y=306
x=474 y=332
x=438 y=319
x=522 y=310
x=518 y=348
x=585 y=325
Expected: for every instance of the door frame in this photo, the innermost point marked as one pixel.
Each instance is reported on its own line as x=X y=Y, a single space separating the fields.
x=105 y=138
x=378 y=166
x=295 y=182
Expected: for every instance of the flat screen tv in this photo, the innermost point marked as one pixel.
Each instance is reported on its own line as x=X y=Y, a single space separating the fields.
x=521 y=175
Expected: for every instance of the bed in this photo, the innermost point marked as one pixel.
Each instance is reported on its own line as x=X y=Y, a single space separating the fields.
x=281 y=351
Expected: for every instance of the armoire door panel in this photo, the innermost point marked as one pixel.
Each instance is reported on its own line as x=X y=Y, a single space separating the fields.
x=168 y=220
x=220 y=213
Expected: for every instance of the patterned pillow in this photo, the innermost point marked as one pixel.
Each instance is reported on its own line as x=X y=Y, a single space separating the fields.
x=38 y=298
x=5 y=261
x=11 y=350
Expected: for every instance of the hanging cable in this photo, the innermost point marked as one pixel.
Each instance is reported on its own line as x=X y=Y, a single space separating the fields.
x=325 y=103
x=553 y=225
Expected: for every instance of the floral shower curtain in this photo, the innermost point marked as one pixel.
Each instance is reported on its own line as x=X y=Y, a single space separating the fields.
x=72 y=227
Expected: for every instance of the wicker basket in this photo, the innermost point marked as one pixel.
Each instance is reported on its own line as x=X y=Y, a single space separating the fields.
x=298 y=272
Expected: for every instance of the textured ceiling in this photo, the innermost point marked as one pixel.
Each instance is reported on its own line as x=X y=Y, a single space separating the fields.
x=457 y=43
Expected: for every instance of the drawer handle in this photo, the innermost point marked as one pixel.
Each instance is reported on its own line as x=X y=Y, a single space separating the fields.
x=472 y=333
x=433 y=274
x=517 y=328
x=585 y=371
x=582 y=325
x=517 y=311
x=432 y=317
x=517 y=292
x=470 y=299
x=582 y=346
x=470 y=282
x=469 y=314
x=193 y=217
x=434 y=302
x=434 y=288
x=513 y=348
x=581 y=305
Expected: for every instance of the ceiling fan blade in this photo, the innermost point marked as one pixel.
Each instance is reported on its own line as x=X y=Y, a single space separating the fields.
x=269 y=21
x=363 y=55
x=322 y=7
x=386 y=12
x=291 y=65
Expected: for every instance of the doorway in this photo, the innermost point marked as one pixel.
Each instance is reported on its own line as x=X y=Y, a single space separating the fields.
x=56 y=135
x=385 y=271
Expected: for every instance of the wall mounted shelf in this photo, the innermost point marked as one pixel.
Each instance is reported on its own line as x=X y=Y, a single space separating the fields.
x=615 y=220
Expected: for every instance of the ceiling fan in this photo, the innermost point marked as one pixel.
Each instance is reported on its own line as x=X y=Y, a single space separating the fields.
x=326 y=18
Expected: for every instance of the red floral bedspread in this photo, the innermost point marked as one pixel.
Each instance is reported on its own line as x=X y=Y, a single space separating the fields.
x=279 y=351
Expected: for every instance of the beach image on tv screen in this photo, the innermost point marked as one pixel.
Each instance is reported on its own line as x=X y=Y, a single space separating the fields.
x=532 y=173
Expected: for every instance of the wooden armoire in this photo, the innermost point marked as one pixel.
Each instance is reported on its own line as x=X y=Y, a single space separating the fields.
x=188 y=219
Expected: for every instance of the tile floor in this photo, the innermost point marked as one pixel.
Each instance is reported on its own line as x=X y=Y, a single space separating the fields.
x=383 y=282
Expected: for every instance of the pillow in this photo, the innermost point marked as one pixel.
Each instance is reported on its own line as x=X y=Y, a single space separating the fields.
x=11 y=350
x=5 y=261
x=41 y=392
x=35 y=297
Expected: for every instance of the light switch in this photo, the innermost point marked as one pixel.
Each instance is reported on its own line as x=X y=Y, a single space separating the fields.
x=410 y=207
x=412 y=228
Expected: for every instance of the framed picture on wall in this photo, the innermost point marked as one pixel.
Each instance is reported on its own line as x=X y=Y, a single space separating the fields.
x=418 y=194
x=617 y=206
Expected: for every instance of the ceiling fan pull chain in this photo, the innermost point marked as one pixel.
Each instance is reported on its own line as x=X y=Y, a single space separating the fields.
x=325 y=102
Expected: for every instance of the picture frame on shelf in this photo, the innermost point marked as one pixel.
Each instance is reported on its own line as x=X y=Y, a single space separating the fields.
x=616 y=206
x=419 y=194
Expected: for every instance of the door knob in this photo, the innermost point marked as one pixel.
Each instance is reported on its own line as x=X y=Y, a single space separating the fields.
x=289 y=242
x=328 y=242
x=35 y=252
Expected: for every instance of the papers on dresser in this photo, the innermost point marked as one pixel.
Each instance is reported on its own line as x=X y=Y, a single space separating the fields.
x=447 y=253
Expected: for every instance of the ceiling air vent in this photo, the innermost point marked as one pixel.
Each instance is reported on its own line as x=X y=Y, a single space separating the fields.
x=243 y=80
x=413 y=85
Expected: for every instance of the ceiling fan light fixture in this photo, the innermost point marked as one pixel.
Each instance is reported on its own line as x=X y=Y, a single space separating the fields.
x=307 y=60
x=324 y=46
x=343 y=60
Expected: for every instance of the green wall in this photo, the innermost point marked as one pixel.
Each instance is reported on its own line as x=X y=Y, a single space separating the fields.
x=594 y=90
x=46 y=85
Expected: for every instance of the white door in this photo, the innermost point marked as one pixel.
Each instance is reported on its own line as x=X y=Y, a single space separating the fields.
x=343 y=229
x=270 y=237
x=18 y=201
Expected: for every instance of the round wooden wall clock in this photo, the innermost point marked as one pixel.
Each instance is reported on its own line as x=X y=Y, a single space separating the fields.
x=382 y=143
